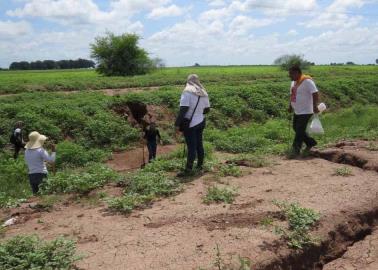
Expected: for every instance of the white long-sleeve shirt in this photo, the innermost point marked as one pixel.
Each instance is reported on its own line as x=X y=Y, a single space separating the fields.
x=36 y=158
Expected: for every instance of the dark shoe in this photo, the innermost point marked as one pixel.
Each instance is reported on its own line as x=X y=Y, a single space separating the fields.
x=185 y=173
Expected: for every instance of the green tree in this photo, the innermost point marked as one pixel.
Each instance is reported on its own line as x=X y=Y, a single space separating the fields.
x=120 y=55
x=288 y=60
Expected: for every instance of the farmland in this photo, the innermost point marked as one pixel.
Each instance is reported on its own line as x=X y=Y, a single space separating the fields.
x=248 y=122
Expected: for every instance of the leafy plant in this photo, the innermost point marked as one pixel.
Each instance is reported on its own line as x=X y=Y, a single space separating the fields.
x=216 y=195
x=31 y=253
x=343 y=171
x=300 y=220
x=229 y=170
x=81 y=181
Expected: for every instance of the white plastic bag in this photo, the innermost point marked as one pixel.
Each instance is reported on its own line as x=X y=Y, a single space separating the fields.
x=315 y=126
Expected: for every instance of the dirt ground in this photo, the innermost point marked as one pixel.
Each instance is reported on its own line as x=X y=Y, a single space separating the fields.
x=182 y=232
x=133 y=159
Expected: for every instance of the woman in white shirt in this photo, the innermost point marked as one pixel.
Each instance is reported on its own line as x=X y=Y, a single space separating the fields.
x=36 y=157
x=194 y=104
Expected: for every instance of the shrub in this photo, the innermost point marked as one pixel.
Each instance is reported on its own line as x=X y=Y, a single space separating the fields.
x=217 y=195
x=31 y=253
x=81 y=181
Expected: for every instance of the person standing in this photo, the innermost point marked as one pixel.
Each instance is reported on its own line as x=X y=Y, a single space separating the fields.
x=16 y=138
x=36 y=157
x=152 y=135
x=194 y=104
x=304 y=98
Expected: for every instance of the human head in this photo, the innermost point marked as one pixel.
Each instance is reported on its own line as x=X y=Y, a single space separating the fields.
x=193 y=79
x=295 y=73
x=36 y=140
x=152 y=125
x=19 y=124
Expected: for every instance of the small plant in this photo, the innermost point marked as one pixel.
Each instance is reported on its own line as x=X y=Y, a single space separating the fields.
x=300 y=221
x=267 y=221
x=249 y=160
x=128 y=202
x=229 y=170
x=372 y=146
x=343 y=171
x=81 y=181
x=29 y=252
x=217 y=195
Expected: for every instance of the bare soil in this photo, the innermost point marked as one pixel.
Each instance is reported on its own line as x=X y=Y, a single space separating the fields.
x=134 y=159
x=182 y=232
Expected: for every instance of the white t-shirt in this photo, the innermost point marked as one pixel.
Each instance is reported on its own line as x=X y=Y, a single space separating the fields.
x=36 y=158
x=304 y=100
x=189 y=99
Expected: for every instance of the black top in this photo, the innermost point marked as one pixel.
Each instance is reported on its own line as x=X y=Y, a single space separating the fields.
x=151 y=135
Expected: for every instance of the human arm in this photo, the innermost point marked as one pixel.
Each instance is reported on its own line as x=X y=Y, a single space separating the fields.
x=315 y=94
x=315 y=98
x=49 y=158
x=181 y=115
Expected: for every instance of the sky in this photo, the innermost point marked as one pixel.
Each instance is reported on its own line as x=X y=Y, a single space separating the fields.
x=208 y=32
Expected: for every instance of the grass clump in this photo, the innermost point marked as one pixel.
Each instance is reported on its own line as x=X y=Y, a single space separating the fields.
x=217 y=195
x=143 y=187
x=343 y=171
x=250 y=160
x=229 y=170
x=81 y=181
x=300 y=220
x=31 y=253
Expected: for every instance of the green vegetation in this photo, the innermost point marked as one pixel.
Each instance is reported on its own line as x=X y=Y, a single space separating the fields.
x=300 y=220
x=120 y=55
x=343 y=171
x=288 y=61
x=248 y=116
x=31 y=253
x=81 y=180
x=229 y=170
x=219 y=263
x=219 y=194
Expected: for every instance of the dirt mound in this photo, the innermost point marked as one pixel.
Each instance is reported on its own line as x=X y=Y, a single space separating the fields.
x=133 y=159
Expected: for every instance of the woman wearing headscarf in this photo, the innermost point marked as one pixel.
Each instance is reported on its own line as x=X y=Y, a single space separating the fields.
x=36 y=157
x=194 y=104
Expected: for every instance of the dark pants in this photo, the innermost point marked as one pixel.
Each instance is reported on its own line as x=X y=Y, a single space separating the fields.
x=299 y=125
x=17 y=148
x=194 y=141
x=152 y=147
x=35 y=179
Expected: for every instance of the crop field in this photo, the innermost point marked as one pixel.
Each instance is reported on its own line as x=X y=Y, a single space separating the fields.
x=252 y=208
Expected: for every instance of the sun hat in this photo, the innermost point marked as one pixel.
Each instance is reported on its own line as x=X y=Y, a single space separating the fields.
x=36 y=140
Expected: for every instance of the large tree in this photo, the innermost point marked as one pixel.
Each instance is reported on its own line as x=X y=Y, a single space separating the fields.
x=289 y=60
x=120 y=55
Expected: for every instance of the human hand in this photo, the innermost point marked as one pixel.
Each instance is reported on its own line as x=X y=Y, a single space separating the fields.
x=316 y=110
x=53 y=147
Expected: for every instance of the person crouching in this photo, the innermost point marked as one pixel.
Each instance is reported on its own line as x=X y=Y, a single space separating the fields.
x=36 y=157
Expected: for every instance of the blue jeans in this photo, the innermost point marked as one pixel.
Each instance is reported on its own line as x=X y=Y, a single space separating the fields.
x=152 y=147
x=194 y=141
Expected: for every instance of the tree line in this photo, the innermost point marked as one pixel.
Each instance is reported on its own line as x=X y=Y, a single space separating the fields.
x=51 y=64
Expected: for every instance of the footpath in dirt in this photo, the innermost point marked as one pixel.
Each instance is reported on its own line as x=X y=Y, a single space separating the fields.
x=182 y=232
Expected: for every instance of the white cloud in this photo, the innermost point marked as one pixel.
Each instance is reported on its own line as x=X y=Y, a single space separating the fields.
x=241 y=25
x=170 y=11
x=292 y=32
x=14 y=29
x=216 y=3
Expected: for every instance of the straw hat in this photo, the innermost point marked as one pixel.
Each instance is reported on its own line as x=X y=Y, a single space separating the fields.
x=36 y=140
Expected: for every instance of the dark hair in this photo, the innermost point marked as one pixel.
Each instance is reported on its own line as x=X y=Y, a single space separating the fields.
x=295 y=68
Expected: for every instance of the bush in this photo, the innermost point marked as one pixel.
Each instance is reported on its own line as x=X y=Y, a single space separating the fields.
x=31 y=253
x=81 y=181
x=217 y=195
x=70 y=154
x=287 y=61
x=120 y=55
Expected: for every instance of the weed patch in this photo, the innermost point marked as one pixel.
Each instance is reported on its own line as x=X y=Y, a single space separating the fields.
x=217 y=195
x=343 y=171
x=300 y=220
x=31 y=253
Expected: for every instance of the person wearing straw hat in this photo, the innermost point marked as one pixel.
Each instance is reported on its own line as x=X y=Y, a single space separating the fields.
x=194 y=104
x=36 y=157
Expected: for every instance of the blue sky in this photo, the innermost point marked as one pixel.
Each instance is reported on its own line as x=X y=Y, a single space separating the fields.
x=182 y=32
